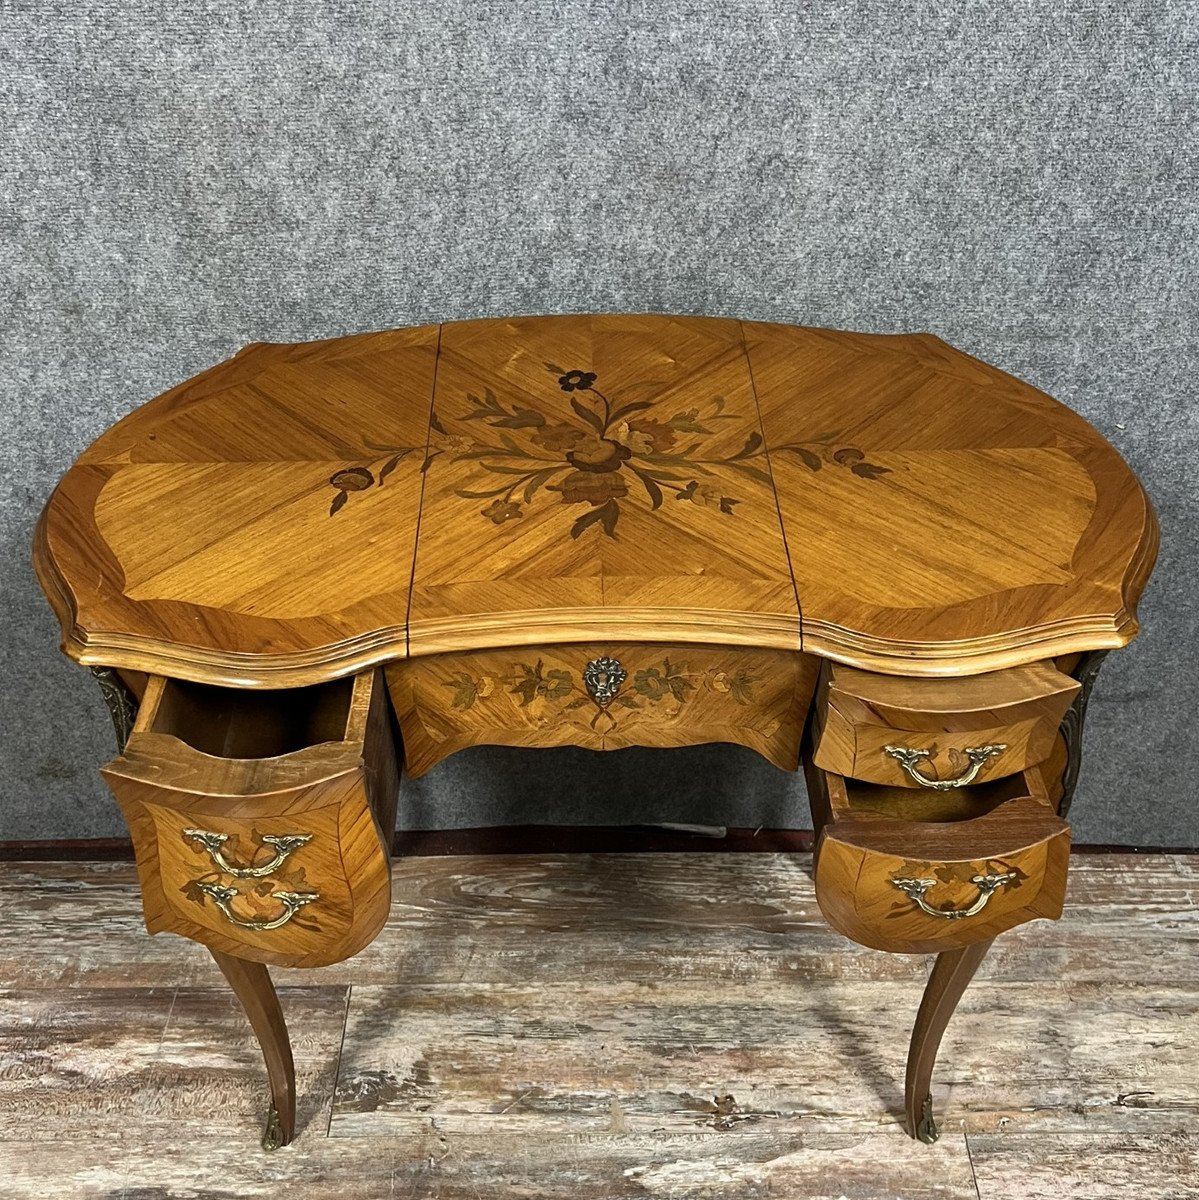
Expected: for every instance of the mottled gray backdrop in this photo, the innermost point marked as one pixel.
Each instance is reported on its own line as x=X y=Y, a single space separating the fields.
x=1017 y=177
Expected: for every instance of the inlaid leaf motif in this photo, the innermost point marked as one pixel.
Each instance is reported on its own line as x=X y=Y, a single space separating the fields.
x=688 y=422
x=465 y=691
x=606 y=516
x=296 y=878
x=491 y=410
x=536 y=681
x=867 y=470
x=741 y=685
x=656 y=683
x=391 y=464
x=193 y=892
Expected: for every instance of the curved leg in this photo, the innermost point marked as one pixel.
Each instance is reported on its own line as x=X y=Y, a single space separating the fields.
x=253 y=987
x=950 y=977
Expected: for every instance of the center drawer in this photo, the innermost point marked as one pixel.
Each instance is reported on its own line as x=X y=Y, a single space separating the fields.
x=938 y=734
x=602 y=696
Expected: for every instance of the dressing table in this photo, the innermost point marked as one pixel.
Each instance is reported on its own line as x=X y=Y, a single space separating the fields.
x=315 y=566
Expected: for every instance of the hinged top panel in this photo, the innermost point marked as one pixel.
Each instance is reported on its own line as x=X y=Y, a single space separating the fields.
x=300 y=512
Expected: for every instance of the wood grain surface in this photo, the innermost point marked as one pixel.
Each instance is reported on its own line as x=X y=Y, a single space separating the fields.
x=300 y=512
x=671 y=983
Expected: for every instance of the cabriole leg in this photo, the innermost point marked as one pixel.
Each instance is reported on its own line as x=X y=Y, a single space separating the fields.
x=951 y=975
x=252 y=985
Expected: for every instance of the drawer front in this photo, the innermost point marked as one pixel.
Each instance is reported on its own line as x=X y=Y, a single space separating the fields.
x=938 y=734
x=912 y=886
x=299 y=885
x=602 y=697
x=280 y=859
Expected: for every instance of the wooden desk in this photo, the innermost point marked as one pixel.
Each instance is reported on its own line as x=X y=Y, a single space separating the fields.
x=314 y=565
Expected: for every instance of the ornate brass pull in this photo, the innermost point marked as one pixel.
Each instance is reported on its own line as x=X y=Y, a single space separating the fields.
x=979 y=756
x=987 y=885
x=223 y=898
x=284 y=844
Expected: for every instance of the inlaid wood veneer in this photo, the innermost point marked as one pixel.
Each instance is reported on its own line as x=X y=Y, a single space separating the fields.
x=299 y=512
x=670 y=696
x=313 y=563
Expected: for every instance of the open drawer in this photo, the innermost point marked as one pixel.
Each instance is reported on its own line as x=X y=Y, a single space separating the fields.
x=915 y=872
x=262 y=820
x=938 y=734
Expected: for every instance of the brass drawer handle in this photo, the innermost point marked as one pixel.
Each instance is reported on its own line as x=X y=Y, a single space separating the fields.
x=223 y=898
x=979 y=756
x=987 y=885
x=285 y=845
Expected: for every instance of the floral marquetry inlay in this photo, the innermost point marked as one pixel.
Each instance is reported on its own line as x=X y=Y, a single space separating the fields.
x=605 y=449
x=300 y=512
x=670 y=696
x=544 y=693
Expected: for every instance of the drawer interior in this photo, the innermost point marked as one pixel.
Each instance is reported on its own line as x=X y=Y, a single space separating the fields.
x=242 y=724
x=960 y=804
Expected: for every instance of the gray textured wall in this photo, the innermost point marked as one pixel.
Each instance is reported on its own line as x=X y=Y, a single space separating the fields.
x=1017 y=177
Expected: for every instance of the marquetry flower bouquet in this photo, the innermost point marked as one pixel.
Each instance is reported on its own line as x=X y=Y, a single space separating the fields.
x=609 y=449
x=600 y=455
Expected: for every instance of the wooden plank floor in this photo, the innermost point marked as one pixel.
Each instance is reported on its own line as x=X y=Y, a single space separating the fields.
x=604 y=1026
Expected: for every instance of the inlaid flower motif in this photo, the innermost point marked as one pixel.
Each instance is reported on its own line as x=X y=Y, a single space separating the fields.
x=468 y=689
x=359 y=479
x=500 y=511
x=352 y=479
x=644 y=435
x=739 y=684
x=655 y=683
x=703 y=494
x=573 y=381
x=592 y=487
x=597 y=456
x=559 y=437
x=347 y=480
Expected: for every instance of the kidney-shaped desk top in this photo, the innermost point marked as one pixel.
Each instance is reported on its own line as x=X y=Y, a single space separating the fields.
x=301 y=512
x=872 y=553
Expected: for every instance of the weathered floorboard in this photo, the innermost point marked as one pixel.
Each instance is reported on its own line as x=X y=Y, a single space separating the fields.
x=1073 y=1167
x=736 y=916
x=791 y=1055
x=82 y=1064
x=879 y=1166
x=575 y=1025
